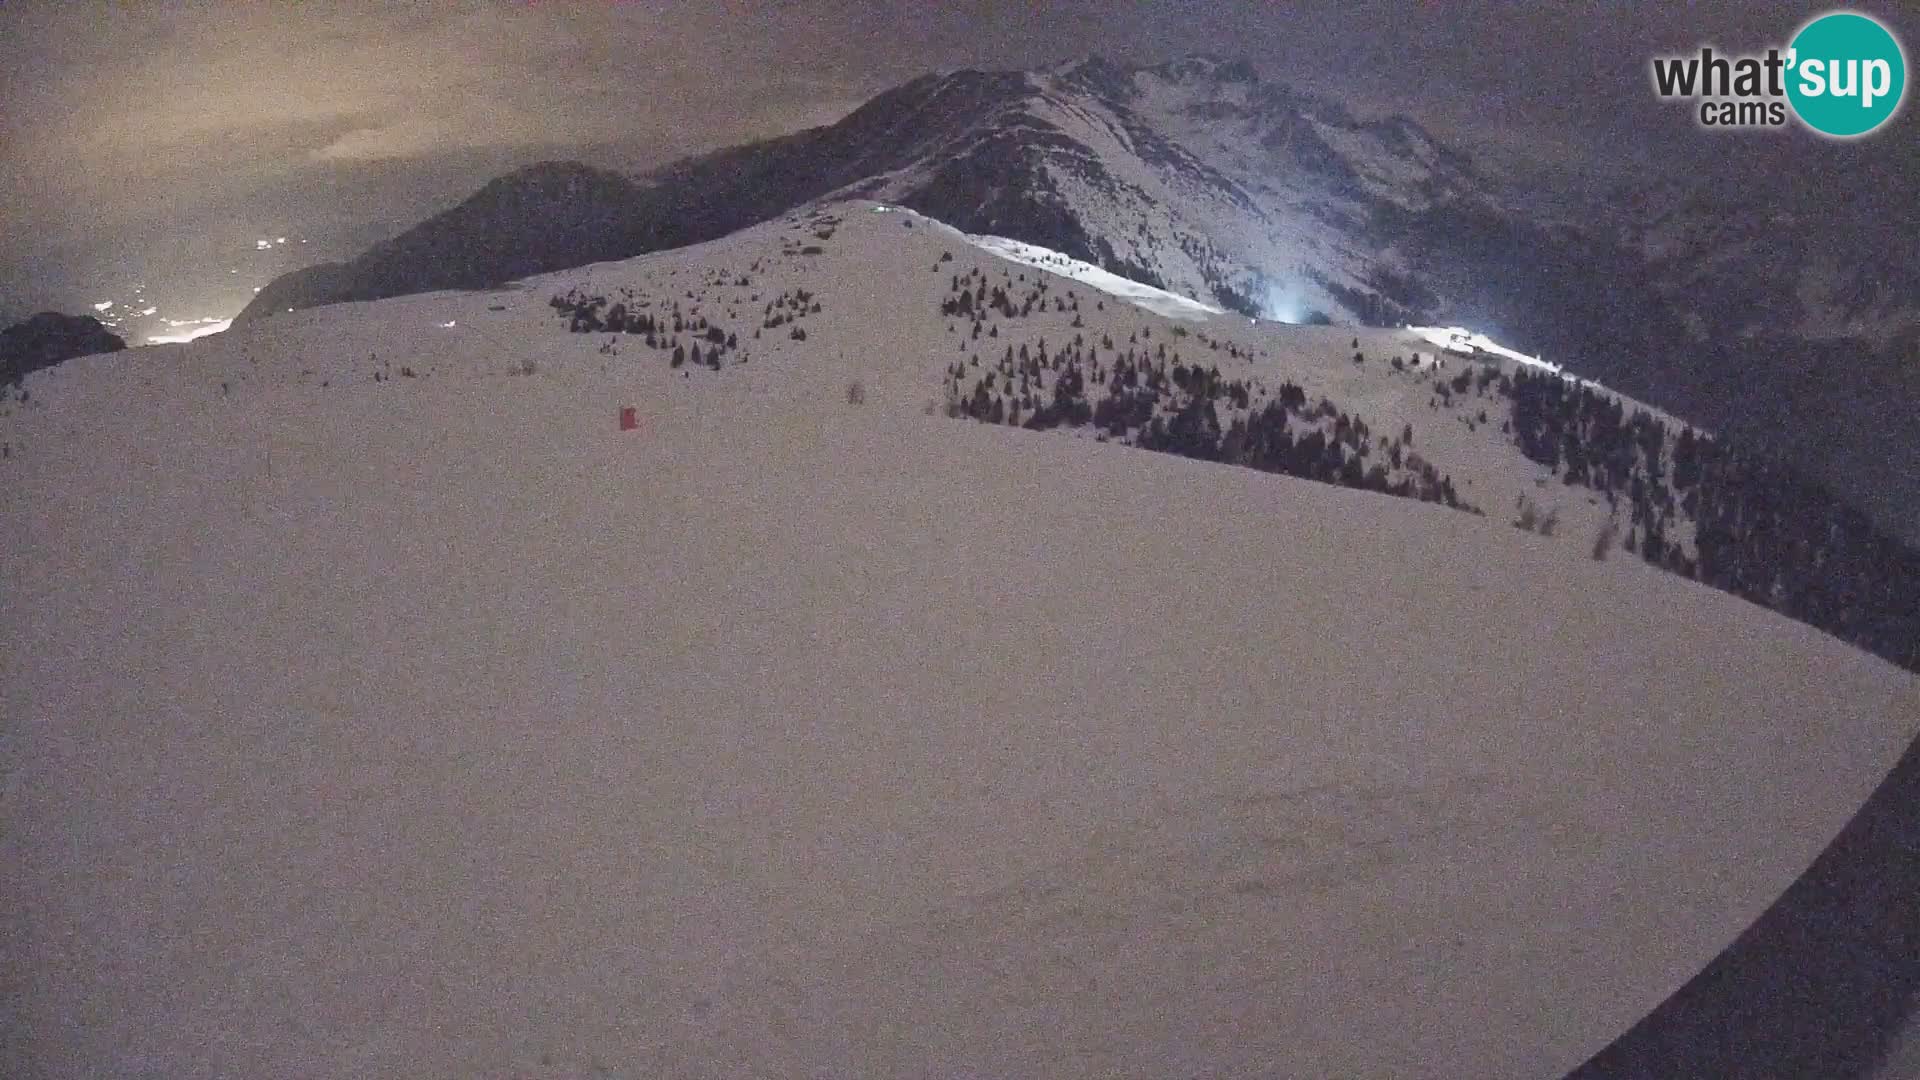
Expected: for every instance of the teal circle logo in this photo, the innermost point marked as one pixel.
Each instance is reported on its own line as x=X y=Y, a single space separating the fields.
x=1847 y=74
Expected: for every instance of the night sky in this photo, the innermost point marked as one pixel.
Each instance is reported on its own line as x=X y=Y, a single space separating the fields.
x=160 y=144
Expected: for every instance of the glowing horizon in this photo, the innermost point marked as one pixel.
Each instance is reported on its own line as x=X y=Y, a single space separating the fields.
x=207 y=328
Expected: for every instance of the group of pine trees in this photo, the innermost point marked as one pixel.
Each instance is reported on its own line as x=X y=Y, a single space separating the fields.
x=1761 y=530
x=970 y=297
x=705 y=344
x=1146 y=397
x=684 y=337
x=790 y=308
x=1590 y=440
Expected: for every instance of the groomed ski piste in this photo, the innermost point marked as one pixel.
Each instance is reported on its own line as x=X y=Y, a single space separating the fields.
x=376 y=706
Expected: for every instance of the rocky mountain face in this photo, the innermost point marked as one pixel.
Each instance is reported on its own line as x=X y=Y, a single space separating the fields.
x=49 y=338
x=1194 y=176
x=1201 y=178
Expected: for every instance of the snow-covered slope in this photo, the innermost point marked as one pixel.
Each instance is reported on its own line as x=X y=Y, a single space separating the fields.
x=375 y=705
x=1203 y=179
x=1456 y=418
x=1156 y=300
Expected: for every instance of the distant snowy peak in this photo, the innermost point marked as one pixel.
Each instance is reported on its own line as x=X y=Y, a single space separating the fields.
x=1203 y=179
x=1188 y=95
x=1195 y=176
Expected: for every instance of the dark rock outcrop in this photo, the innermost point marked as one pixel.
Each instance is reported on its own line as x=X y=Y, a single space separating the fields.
x=50 y=338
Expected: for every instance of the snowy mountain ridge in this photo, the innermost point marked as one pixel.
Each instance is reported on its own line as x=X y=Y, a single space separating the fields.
x=1425 y=413
x=1201 y=178
x=1194 y=174
x=386 y=706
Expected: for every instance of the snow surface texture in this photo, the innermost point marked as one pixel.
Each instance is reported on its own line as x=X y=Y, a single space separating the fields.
x=430 y=725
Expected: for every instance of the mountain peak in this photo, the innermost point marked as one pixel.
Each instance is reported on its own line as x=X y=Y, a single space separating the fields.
x=1101 y=77
x=557 y=176
x=1115 y=80
x=1208 y=67
x=1040 y=156
x=51 y=338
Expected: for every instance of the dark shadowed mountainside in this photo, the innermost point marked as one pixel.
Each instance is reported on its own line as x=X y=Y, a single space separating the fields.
x=50 y=338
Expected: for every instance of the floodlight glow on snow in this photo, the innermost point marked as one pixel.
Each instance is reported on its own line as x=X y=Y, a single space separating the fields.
x=207 y=327
x=1283 y=305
